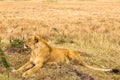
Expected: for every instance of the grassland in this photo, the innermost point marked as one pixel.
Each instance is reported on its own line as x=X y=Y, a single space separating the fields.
x=88 y=26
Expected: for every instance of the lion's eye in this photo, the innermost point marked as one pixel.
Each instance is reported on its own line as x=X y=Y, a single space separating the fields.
x=36 y=40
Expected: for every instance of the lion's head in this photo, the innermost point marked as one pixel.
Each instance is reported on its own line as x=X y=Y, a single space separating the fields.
x=35 y=41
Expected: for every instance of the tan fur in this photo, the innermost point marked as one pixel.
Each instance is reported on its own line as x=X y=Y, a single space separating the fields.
x=42 y=54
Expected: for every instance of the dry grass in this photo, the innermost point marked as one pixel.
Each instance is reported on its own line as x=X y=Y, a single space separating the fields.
x=93 y=27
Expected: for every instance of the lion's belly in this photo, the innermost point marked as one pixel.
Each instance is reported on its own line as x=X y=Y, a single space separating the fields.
x=58 y=55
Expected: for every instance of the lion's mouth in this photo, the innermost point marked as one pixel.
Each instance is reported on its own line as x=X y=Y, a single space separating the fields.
x=25 y=46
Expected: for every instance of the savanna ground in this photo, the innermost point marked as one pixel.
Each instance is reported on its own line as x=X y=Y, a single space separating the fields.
x=88 y=26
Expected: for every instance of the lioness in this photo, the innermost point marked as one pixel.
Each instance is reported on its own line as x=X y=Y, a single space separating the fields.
x=42 y=54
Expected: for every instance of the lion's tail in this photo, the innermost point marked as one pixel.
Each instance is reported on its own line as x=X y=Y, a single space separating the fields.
x=101 y=69
x=74 y=55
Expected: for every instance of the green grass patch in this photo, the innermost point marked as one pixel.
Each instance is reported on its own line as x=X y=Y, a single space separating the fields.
x=16 y=42
x=4 y=77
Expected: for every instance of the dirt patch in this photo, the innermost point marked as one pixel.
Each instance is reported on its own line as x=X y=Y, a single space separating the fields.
x=83 y=76
x=17 y=46
x=18 y=49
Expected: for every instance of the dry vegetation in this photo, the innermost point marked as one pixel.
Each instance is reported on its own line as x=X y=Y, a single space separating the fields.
x=92 y=27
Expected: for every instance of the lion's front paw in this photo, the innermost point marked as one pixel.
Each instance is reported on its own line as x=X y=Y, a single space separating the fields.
x=24 y=76
x=14 y=71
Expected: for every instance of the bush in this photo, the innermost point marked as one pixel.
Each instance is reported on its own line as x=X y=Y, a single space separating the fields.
x=3 y=59
x=15 y=42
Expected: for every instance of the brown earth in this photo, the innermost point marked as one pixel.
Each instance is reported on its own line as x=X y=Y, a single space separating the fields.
x=88 y=26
